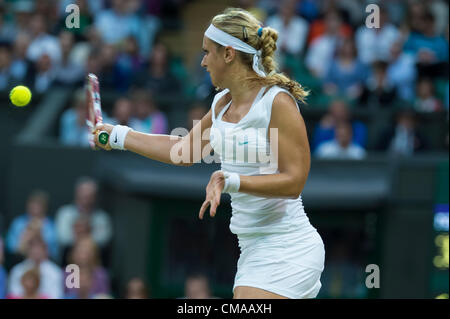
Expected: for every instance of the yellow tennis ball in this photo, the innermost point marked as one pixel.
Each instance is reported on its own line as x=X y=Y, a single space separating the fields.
x=20 y=95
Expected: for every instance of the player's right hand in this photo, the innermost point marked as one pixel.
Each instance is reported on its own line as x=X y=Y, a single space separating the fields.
x=99 y=128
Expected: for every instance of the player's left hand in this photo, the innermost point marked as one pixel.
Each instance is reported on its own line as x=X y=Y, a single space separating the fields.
x=213 y=194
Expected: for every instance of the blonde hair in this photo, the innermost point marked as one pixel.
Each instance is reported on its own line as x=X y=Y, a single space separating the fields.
x=244 y=26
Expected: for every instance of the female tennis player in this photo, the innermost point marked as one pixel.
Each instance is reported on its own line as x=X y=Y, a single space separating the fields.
x=282 y=254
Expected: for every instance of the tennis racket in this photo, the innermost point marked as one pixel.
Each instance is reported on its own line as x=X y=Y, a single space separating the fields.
x=94 y=109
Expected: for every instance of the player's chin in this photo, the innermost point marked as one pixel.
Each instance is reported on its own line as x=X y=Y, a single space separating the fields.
x=215 y=82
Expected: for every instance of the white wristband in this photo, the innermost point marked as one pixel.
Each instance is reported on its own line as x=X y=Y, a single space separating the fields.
x=117 y=137
x=232 y=182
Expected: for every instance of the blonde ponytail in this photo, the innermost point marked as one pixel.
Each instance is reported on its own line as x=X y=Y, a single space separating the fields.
x=242 y=25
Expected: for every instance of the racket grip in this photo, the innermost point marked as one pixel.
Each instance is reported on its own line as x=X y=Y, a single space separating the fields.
x=103 y=137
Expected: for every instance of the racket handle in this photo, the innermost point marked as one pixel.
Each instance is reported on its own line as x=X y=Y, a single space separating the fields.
x=103 y=137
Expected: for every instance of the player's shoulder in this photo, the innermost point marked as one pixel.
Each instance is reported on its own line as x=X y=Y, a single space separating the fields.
x=282 y=99
x=284 y=110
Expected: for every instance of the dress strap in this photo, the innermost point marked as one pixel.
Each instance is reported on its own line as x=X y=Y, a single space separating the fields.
x=217 y=97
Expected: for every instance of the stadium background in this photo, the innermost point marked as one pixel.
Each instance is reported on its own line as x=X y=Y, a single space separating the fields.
x=386 y=209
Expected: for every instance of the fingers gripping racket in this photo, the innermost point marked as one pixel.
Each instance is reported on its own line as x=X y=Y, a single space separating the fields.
x=94 y=109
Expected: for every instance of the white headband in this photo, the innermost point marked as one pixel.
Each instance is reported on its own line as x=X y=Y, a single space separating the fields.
x=226 y=39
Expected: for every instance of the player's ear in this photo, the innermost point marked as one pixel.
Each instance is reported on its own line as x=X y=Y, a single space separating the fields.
x=229 y=53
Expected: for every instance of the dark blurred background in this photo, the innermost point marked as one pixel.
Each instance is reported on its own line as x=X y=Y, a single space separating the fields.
x=377 y=121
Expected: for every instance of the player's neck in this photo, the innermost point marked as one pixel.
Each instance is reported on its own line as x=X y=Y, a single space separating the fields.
x=242 y=92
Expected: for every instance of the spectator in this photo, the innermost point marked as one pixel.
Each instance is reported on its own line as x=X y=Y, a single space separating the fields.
x=426 y=100
x=309 y=9
x=129 y=60
x=378 y=91
x=430 y=50
x=321 y=51
x=44 y=74
x=353 y=11
x=30 y=281
x=110 y=75
x=51 y=277
x=346 y=74
x=197 y=287
x=402 y=138
x=7 y=30
x=94 y=62
x=82 y=50
x=122 y=112
x=42 y=43
x=86 y=256
x=20 y=66
x=72 y=128
x=125 y=13
x=414 y=16
x=136 y=289
x=3 y=275
x=342 y=146
x=148 y=119
x=439 y=10
x=81 y=229
x=49 y=10
x=22 y=10
x=85 y=199
x=34 y=221
x=292 y=29
x=375 y=43
x=149 y=26
x=319 y=27
x=117 y=23
x=338 y=112
x=5 y=67
x=196 y=113
x=69 y=72
x=401 y=72
x=157 y=76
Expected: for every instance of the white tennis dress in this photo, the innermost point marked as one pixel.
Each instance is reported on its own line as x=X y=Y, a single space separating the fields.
x=281 y=251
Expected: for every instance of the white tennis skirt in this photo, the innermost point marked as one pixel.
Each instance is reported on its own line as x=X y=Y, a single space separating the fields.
x=288 y=264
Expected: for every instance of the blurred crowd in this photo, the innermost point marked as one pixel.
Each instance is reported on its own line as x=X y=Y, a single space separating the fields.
x=40 y=247
x=327 y=46
x=38 y=252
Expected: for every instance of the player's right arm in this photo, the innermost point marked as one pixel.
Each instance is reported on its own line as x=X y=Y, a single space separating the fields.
x=170 y=149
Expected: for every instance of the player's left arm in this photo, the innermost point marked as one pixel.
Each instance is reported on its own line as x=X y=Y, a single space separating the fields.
x=294 y=157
